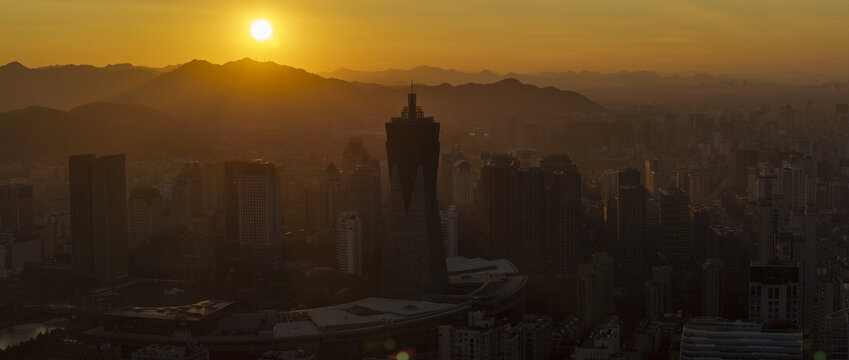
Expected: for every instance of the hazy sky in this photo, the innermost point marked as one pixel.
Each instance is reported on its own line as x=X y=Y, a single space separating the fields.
x=729 y=36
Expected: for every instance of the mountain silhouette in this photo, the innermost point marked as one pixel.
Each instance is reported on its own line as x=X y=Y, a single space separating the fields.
x=66 y=86
x=38 y=132
x=247 y=93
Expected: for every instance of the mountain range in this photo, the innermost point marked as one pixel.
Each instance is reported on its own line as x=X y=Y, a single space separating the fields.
x=60 y=110
x=625 y=86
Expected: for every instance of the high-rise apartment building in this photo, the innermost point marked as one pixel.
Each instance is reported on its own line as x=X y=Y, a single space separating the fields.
x=595 y=289
x=450 y=230
x=349 y=243
x=713 y=294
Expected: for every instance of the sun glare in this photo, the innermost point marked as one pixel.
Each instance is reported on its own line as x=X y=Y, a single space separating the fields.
x=261 y=30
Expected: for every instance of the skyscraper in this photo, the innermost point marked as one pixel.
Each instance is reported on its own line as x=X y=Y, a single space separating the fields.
x=98 y=189
x=632 y=222
x=496 y=194
x=675 y=225
x=15 y=207
x=563 y=193
x=534 y=254
x=144 y=216
x=413 y=258
x=349 y=244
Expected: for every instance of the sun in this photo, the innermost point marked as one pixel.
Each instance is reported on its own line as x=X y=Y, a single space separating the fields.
x=261 y=29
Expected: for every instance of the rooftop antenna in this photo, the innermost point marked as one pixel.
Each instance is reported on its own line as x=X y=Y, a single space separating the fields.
x=411 y=86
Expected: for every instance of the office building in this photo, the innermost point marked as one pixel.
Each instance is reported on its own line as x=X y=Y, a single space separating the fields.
x=413 y=258
x=98 y=189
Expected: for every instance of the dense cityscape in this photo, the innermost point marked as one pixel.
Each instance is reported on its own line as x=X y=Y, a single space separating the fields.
x=245 y=209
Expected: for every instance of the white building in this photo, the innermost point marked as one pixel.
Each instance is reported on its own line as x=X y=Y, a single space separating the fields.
x=774 y=293
x=349 y=243
x=481 y=340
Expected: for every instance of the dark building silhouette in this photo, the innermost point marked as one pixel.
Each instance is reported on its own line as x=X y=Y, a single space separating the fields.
x=413 y=260
x=632 y=242
x=496 y=193
x=712 y=288
x=676 y=241
x=98 y=194
x=563 y=193
x=15 y=207
x=530 y=218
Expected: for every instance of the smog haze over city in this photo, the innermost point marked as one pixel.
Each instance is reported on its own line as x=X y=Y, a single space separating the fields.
x=329 y=179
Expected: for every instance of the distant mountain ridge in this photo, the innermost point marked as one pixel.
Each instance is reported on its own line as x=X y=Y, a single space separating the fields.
x=39 y=132
x=620 y=87
x=66 y=86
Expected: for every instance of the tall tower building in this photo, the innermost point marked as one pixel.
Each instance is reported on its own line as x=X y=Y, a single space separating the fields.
x=144 y=217
x=675 y=225
x=697 y=188
x=563 y=191
x=633 y=245
x=413 y=258
x=15 y=207
x=349 y=243
x=98 y=189
x=712 y=288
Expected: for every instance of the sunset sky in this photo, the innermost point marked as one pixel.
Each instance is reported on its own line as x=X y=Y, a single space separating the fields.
x=727 y=36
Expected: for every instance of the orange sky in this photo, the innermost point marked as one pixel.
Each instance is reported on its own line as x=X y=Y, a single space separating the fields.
x=728 y=36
